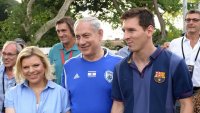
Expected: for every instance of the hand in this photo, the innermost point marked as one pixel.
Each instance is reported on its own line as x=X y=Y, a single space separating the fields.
x=165 y=45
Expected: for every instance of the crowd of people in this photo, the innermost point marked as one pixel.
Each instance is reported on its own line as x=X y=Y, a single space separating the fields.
x=81 y=76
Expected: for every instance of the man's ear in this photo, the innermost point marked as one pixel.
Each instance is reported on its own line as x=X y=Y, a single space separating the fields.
x=150 y=30
x=100 y=32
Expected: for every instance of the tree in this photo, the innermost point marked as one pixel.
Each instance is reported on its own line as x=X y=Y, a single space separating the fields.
x=4 y=5
x=49 y=24
x=33 y=20
x=160 y=18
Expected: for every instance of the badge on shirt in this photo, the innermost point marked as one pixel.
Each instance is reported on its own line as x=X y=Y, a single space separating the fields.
x=159 y=77
x=92 y=74
x=191 y=69
x=108 y=76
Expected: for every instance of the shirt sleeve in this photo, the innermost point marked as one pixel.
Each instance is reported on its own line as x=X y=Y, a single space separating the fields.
x=50 y=56
x=9 y=98
x=66 y=101
x=182 y=83
x=116 y=92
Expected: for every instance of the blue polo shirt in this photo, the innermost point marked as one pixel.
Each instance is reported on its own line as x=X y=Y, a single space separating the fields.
x=55 y=58
x=53 y=99
x=154 y=90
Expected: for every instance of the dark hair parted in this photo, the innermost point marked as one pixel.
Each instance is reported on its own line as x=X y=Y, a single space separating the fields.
x=69 y=22
x=145 y=17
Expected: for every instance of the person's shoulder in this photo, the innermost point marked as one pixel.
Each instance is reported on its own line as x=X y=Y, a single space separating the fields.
x=124 y=61
x=15 y=89
x=176 y=40
x=110 y=54
x=114 y=56
x=73 y=59
x=123 y=51
x=2 y=67
x=56 y=46
x=170 y=55
x=56 y=86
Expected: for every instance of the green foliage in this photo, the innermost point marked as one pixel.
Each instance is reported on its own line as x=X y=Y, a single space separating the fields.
x=14 y=26
x=173 y=32
x=11 y=28
x=192 y=5
x=105 y=10
x=49 y=39
x=109 y=44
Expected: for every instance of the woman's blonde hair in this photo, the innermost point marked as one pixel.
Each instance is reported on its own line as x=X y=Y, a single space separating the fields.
x=28 y=52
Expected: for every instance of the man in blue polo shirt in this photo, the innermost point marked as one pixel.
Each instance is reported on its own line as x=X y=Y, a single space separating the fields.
x=64 y=50
x=89 y=84
x=150 y=79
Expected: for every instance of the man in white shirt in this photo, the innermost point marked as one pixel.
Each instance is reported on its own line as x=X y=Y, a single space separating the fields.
x=188 y=46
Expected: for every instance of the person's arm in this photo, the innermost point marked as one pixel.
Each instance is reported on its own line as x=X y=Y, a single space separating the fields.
x=68 y=112
x=10 y=110
x=117 y=107
x=186 y=105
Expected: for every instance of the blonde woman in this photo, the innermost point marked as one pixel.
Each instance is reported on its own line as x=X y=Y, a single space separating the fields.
x=35 y=93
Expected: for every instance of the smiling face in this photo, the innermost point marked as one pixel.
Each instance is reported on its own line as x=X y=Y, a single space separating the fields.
x=134 y=35
x=64 y=33
x=193 y=23
x=33 y=70
x=9 y=55
x=88 y=39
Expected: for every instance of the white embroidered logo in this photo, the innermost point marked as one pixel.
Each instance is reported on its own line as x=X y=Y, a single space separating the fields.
x=76 y=76
x=108 y=76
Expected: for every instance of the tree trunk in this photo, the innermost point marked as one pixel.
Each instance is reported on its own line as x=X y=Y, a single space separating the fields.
x=160 y=19
x=29 y=9
x=26 y=25
x=51 y=23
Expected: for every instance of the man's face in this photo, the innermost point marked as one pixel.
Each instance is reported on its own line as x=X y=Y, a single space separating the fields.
x=134 y=35
x=9 y=55
x=192 y=23
x=64 y=34
x=88 y=39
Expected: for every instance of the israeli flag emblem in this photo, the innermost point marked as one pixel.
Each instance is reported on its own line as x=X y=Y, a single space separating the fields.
x=108 y=76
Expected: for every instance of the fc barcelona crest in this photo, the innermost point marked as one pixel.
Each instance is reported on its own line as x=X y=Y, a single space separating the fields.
x=159 y=77
x=108 y=76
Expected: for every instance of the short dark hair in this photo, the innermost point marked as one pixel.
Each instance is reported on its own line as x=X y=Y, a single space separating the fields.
x=193 y=11
x=145 y=17
x=69 y=22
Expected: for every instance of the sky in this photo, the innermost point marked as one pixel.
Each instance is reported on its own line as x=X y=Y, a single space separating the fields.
x=19 y=1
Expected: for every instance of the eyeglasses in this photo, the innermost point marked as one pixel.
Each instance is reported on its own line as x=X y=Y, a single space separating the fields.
x=9 y=54
x=193 y=20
